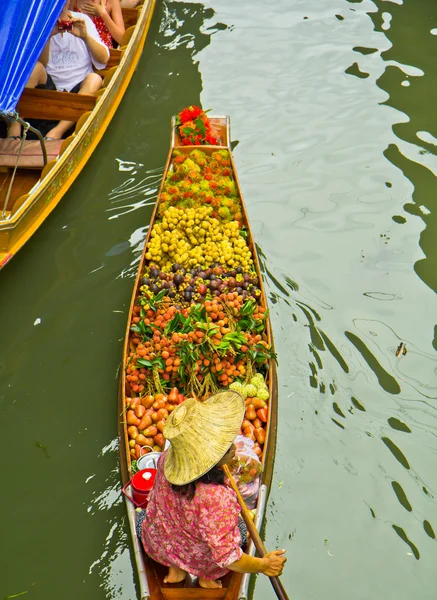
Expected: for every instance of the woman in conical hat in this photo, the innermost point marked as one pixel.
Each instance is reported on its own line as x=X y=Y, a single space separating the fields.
x=192 y=520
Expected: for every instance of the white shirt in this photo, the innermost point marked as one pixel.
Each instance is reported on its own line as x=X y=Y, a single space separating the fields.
x=70 y=61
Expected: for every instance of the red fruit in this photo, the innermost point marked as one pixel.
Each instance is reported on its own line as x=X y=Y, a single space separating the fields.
x=173 y=395
x=261 y=413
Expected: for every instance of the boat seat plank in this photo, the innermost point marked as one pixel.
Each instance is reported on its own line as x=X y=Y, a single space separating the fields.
x=48 y=104
x=31 y=156
x=130 y=16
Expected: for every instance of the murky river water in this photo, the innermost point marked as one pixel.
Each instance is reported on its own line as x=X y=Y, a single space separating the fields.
x=332 y=107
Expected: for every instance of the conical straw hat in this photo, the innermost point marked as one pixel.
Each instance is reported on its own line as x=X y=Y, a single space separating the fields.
x=200 y=434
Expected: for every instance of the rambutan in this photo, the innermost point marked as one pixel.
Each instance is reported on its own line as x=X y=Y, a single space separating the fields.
x=190 y=113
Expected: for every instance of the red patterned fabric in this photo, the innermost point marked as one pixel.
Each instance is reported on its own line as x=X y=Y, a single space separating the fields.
x=200 y=536
x=105 y=36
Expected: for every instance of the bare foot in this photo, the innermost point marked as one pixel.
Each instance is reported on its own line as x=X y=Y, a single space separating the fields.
x=175 y=575
x=210 y=583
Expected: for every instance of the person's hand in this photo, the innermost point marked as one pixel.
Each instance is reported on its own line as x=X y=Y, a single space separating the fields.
x=274 y=563
x=79 y=28
x=94 y=10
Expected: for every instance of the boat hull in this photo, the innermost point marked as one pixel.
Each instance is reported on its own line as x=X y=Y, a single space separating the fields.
x=150 y=574
x=59 y=175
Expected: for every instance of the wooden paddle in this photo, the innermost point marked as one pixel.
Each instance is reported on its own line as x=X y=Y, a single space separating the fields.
x=259 y=544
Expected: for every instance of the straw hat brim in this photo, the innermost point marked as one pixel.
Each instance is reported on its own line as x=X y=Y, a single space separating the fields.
x=200 y=434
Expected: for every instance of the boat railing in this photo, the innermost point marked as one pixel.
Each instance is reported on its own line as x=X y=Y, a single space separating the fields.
x=138 y=553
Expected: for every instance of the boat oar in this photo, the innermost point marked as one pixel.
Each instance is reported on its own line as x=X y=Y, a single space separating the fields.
x=259 y=544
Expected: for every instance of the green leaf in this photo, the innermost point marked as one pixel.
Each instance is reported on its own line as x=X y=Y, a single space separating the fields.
x=244 y=232
x=248 y=307
x=144 y=363
x=200 y=125
x=15 y=595
x=156 y=299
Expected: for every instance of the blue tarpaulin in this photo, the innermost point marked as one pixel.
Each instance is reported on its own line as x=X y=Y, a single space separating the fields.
x=25 y=27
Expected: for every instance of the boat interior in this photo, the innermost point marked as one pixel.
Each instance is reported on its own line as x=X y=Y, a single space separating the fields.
x=49 y=105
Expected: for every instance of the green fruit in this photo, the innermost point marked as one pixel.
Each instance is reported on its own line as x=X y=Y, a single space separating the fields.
x=257 y=380
x=251 y=390
x=236 y=386
x=263 y=394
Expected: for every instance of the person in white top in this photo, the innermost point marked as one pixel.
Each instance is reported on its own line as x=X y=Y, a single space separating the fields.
x=66 y=63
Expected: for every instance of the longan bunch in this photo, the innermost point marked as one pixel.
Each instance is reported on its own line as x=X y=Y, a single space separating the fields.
x=192 y=237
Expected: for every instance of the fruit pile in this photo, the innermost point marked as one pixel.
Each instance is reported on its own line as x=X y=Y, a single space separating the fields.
x=193 y=237
x=199 y=323
x=197 y=179
x=194 y=127
x=145 y=418
x=196 y=284
x=199 y=348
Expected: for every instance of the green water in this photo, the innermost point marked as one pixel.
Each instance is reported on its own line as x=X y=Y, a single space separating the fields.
x=332 y=109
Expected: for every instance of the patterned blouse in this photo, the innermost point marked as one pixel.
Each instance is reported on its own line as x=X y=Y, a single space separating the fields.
x=200 y=536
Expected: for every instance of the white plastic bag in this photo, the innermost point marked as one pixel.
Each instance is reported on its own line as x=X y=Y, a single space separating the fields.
x=246 y=468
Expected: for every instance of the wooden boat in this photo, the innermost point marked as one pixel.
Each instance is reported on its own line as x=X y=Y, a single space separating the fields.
x=38 y=189
x=150 y=574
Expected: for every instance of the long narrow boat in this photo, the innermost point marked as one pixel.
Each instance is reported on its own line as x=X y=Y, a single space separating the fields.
x=37 y=189
x=145 y=301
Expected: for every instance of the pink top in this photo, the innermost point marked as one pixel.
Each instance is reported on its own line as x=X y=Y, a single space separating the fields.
x=200 y=536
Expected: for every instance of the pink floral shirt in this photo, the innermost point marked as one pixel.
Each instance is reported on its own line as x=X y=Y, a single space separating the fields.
x=200 y=536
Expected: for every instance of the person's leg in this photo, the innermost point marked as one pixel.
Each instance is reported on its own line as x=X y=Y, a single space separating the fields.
x=91 y=84
x=37 y=77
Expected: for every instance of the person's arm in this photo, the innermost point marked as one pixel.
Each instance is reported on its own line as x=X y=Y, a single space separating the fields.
x=271 y=564
x=114 y=21
x=45 y=54
x=218 y=528
x=98 y=51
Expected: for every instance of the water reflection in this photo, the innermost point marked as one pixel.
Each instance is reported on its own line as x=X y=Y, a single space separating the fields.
x=376 y=344
x=401 y=533
x=137 y=191
x=107 y=504
x=415 y=59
